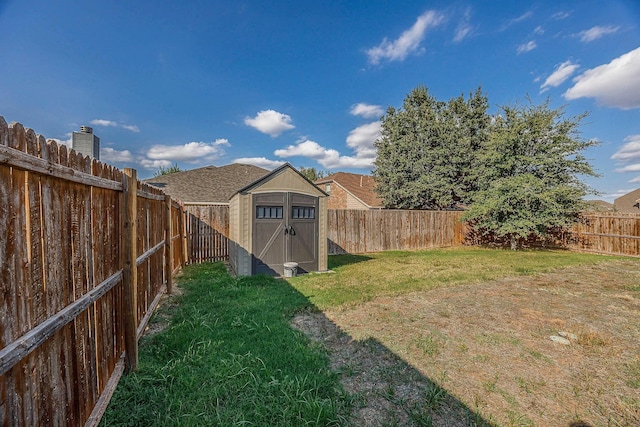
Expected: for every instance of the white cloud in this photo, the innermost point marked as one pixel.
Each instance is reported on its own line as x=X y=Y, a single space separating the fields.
x=361 y=140
x=191 y=152
x=408 y=42
x=596 y=32
x=629 y=168
x=132 y=128
x=102 y=122
x=559 y=75
x=111 y=123
x=464 y=28
x=327 y=157
x=270 y=122
x=519 y=19
x=155 y=164
x=110 y=155
x=261 y=162
x=367 y=111
x=539 y=30
x=304 y=148
x=558 y=16
x=527 y=47
x=222 y=141
x=618 y=193
x=630 y=150
x=616 y=84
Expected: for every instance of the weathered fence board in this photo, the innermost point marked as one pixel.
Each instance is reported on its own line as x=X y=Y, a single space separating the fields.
x=206 y=243
x=62 y=314
x=361 y=231
x=605 y=233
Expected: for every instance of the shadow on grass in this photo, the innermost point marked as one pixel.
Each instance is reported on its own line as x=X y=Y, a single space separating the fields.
x=336 y=261
x=254 y=350
x=383 y=388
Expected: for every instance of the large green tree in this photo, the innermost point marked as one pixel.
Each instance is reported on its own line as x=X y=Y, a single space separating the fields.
x=427 y=154
x=532 y=170
x=312 y=174
x=167 y=170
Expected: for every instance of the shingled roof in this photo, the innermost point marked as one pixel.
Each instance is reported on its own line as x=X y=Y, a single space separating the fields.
x=209 y=184
x=629 y=203
x=360 y=186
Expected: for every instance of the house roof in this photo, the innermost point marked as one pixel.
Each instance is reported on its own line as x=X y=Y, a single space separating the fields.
x=629 y=202
x=209 y=184
x=360 y=186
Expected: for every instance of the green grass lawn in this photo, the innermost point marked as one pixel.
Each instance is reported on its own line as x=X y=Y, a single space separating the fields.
x=361 y=278
x=229 y=357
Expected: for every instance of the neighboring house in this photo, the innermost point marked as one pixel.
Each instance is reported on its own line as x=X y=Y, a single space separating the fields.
x=350 y=191
x=629 y=203
x=208 y=185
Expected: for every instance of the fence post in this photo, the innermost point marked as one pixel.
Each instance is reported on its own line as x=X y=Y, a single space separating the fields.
x=168 y=253
x=185 y=236
x=129 y=271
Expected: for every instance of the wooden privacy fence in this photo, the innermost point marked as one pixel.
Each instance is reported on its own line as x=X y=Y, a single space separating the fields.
x=348 y=230
x=86 y=252
x=207 y=232
x=606 y=233
x=360 y=231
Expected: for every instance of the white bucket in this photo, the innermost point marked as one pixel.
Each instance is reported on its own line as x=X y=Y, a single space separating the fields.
x=290 y=269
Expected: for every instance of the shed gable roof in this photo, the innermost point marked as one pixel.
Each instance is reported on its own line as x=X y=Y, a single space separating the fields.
x=285 y=168
x=360 y=186
x=209 y=184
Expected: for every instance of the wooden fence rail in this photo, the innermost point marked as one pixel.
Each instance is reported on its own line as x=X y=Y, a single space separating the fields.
x=606 y=233
x=360 y=231
x=85 y=254
x=348 y=230
x=207 y=231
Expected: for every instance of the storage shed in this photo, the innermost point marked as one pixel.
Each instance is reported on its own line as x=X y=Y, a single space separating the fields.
x=280 y=218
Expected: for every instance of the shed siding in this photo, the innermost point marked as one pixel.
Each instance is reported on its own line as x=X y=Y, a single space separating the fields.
x=246 y=217
x=242 y=217
x=322 y=234
x=234 y=215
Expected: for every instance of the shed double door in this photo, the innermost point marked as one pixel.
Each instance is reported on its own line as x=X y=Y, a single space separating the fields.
x=285 y=229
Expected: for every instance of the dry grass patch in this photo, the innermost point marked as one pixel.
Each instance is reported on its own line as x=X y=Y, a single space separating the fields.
x=488 y=344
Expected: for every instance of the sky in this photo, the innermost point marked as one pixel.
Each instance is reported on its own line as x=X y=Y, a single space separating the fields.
x=208 y=82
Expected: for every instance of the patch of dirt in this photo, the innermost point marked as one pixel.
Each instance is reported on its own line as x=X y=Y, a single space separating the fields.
x=488 y=347
x=164 y=311
x=385 y=389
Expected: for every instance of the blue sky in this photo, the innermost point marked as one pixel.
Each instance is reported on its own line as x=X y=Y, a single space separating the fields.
x=215 y=82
